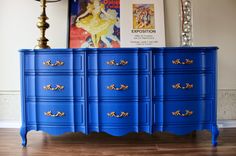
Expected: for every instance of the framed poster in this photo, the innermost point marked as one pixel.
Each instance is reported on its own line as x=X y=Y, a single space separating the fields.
x=116 y=23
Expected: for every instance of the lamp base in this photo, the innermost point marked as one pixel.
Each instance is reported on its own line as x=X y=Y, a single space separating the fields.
x=42 y=43
x=42 y=25
x=42 y=47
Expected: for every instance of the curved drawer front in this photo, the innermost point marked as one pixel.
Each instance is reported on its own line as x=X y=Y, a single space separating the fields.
x=117 y=62
x=50 y=113
x=109 y=86
x=49 y=86
x=118 y=113
x=47 y=62
x=183 y=85
x=182 y=112
x=184 y=61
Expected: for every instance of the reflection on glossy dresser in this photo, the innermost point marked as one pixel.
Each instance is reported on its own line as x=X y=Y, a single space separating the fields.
x=119 y=91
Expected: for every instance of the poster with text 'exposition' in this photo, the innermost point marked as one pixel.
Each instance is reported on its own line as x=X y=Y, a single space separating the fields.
x=116 y=23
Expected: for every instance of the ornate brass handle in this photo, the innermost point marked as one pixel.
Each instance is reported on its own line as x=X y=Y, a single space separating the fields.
x=178 y=113
x=187 y=61
x=49 y=113
x=113 y=87
x=178 y=86
x=122 y=114
x=49 y=87
x=57 y=63
x=114 y=63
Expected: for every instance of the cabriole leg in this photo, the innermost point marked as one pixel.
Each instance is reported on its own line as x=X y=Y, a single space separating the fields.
x=23 y=134
x=215 y=134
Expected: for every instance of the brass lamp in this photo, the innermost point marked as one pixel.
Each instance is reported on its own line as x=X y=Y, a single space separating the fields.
x=43 y=25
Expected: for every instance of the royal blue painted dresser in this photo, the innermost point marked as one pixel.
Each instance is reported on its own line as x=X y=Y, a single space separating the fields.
x=118 y=91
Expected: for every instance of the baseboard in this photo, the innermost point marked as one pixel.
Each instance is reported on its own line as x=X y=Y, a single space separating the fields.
x=221 y=124
x=9 y=92
x=227 y=123
x=5 y=124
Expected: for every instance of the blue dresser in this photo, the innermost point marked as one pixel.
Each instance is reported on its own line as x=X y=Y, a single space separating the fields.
x=118 y=91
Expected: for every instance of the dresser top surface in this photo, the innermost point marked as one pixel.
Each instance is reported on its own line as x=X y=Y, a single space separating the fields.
x=160 y=49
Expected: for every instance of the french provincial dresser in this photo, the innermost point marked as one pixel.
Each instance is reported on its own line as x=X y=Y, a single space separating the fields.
x=118 y=91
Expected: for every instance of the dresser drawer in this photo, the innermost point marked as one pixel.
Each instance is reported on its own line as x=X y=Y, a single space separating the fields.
x=118 y=113
x=49 y=86
x=50 y=113
x=182 y=112
x=183 y=85
x=118 y=61
x=118 y=86
x=112 y=62
x=47 y=62
x=113 y=86
x=183 y=59
x=54 y=62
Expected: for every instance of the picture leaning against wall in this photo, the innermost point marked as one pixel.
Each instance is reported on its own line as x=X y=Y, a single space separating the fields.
x=116 y=23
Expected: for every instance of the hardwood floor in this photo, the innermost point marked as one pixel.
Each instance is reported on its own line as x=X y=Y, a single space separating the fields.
x=161 y=144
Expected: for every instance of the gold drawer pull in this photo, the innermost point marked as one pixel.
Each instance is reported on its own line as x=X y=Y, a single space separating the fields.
x=178 y=113
x=49 y=87
x=187 y=61
x=59 y=114
x=113 y=87
x=114 y=63
x=178 y=86
x=122 y=114
x=49 y=63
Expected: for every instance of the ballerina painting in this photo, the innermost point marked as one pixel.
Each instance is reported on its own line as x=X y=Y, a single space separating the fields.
x=95 y=25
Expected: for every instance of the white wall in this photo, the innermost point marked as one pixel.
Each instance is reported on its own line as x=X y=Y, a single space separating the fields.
x=18 y=30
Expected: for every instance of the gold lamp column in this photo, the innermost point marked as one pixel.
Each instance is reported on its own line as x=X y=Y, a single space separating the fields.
x=43 y=25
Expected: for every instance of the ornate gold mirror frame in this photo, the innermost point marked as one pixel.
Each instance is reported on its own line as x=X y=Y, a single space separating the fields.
x=186 y=23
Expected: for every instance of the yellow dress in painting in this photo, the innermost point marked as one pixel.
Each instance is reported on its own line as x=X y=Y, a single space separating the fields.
x=94 y=24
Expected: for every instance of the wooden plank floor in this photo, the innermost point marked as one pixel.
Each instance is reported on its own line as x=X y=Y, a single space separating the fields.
x=161 y=144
